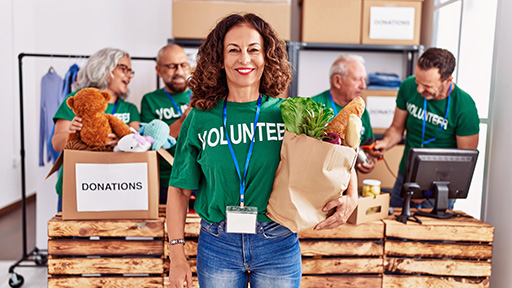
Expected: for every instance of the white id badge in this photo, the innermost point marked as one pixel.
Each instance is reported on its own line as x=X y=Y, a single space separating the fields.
x=241 y=219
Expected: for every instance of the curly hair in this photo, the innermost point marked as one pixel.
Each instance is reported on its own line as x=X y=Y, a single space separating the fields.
x=438 y=58
x=208 y=82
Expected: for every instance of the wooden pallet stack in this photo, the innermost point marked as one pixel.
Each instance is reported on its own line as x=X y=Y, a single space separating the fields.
x=452 y=252
x=106 y=253
x=348 y=256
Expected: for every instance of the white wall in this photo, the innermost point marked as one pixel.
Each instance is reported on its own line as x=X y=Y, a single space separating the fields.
x=65 y=27
x=10 y=147
x=474 y=66
x=499 y=198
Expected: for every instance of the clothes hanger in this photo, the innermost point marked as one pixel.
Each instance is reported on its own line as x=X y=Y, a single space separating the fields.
x=51 y=69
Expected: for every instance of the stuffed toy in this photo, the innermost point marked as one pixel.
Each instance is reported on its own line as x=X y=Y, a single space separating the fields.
x=90 y=104
x=159 y=130
x=134 y=142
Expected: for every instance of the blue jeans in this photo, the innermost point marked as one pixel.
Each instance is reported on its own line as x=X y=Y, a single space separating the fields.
x=269 y=258
x=397 y=201
x=59 y=203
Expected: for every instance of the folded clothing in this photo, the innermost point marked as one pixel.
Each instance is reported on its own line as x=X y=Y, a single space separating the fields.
x=384 y=79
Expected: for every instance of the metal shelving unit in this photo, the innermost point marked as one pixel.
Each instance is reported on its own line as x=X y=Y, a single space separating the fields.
x=294 y=49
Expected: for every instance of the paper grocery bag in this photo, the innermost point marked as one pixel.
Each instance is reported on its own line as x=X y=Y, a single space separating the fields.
x=310 y=174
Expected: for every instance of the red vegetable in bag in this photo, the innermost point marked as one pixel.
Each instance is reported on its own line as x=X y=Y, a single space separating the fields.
x=333 y=138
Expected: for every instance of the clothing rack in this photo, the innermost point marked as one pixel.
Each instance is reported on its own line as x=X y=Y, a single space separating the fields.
x=39 y=257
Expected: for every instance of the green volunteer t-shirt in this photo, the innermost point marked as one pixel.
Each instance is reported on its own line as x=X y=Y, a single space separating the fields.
x=157 y=105
x=204 y=163
x=462 y=119
x=125 y=111
x=366 y=130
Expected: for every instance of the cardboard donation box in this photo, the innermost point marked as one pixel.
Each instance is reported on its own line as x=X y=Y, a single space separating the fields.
x=370 y=209
x=193 y=19
x=391 y=22
x=310 y=174
x=331 y=21
x=110 y=185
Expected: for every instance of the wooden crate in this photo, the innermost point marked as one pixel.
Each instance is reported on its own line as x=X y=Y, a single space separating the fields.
x=452 y=252
x=348 y=256
x=106 y=253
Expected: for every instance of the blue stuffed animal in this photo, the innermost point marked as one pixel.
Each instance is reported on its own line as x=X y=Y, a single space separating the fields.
x=159 y=130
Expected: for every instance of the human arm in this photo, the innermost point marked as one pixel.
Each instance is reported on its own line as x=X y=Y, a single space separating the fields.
x=135 y=125
x=467 y=142
x=344 y=205
x=393 y=135
x=177 y=203
x=174 y=128
x=63 y=128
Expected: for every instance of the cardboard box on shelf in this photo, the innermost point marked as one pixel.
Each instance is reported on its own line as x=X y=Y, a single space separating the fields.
x=381 y=106
x=193 y=19
x=110 y=185
x=370 y=209
x=391 y=22
x=331 y=21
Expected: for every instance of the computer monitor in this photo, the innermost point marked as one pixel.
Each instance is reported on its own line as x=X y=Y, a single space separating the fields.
x=439 y=174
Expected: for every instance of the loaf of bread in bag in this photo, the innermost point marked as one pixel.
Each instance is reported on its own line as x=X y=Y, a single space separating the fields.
x=353 y=132
x=339 y=123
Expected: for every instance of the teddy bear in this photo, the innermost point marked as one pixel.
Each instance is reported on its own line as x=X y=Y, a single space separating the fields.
x=90 y=104
x=159 y=130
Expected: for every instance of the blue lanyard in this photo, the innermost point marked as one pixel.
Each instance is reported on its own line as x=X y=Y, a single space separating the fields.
x=425 y=119
x=115 y=107
x=174 y=103
x=333 y=104
x=249 y=153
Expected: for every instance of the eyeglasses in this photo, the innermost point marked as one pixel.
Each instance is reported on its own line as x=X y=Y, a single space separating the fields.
x=174 y=67
x=126 y=70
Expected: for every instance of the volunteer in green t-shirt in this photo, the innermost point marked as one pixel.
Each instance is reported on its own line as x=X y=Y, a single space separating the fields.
x=109 y=70
x=228 y=150
x=450 y=119
x=169 y=104
x=347 y=80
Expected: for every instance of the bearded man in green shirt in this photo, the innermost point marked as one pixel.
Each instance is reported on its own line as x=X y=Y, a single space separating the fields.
x=450 y=119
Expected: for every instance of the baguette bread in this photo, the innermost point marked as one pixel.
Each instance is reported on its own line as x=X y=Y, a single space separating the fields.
x=353 y=132
x=339 y=123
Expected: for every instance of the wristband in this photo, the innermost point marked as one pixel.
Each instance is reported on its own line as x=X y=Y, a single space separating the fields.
x=177 y=241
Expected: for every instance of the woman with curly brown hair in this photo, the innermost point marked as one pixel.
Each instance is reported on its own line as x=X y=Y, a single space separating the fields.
x=228 y=150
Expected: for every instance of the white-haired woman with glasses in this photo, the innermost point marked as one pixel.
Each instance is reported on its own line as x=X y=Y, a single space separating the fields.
x=109 y=70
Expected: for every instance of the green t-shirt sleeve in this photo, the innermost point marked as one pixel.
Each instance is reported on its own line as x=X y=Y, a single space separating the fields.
x=145 y=110
x=368 y=132
x=401 y=102
x=134 y=113
x=186 y=171
x=468 y=122
x=64 y=112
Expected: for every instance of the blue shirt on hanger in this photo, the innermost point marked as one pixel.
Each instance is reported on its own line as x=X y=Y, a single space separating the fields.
x=51 y=86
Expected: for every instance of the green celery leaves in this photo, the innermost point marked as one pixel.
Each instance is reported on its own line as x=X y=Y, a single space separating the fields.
x=302 y=115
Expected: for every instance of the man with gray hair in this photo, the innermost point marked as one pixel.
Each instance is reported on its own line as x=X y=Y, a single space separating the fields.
x=169 y=104
x=347 y=80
